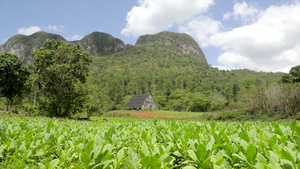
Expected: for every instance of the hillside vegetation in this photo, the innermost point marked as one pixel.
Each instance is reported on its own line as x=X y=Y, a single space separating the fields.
x=96 y=43
x=23 y=46
x=178 y=80
x=172 y=67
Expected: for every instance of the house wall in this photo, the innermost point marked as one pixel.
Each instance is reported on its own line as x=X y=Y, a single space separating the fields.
x=150 y=104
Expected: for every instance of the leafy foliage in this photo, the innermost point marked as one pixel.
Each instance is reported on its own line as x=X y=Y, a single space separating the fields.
x=175 y=80
x=293 y=76
x=133 y=143
x=13 y=75
x=61 y=70
x=168 y=65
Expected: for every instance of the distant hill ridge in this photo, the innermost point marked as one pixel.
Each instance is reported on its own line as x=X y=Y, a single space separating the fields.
x=23 y=46
x=182 y=42
x=100 y=44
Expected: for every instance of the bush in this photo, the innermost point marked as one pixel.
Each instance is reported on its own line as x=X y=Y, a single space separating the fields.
x=277 y=99
x=31 y=111
x=230 y=115
x=297 y=116
x=199 y=104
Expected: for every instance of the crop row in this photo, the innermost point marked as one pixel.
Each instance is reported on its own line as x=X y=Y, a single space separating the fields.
x=134 y=143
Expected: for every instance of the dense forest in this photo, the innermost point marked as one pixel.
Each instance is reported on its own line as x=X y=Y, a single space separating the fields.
x=177 y=79
x=177 y=82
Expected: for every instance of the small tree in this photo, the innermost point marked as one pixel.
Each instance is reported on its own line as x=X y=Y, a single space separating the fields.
x=61 y=70
x=13 y=75
x=293 y=76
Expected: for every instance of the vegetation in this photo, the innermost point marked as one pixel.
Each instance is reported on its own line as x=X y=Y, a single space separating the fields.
x=178 y=82
x=293 y=76
x=64 y=81
x=132 y=143
x=23 y=45
x=181 y=42
x=61 y=70
x=279 y=98
x=98 y=43
x=179 y=79
x=13 y=75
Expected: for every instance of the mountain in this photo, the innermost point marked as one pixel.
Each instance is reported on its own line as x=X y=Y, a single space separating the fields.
x=174 y=70
x=181 y=42
x=23 y=46
x=99 y=44
x=170 y=66
x=96 y=43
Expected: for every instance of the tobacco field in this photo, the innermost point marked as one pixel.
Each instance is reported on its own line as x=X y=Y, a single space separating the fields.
x=138 y=143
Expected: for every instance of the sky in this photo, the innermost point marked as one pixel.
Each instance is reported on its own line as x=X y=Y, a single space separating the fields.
x=260 y=35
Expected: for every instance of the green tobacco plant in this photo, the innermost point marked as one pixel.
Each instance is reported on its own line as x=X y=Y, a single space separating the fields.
x=37 y=142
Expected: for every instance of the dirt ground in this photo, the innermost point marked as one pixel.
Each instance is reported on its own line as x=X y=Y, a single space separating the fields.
x=158 y=115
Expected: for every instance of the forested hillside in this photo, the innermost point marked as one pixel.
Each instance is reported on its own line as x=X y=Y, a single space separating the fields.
x=177 y=81
x=173 y=68
x=96 y=43
x=23 y=46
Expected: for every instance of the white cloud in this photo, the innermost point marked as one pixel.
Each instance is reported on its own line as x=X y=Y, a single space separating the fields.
x=271 y=43
x=201 y=28
x=54 y=28
x=32 y=29
x=227 y=15
x=28 y=31
x=242 y=11
x=232 y=60
x=225 y=68
x=75 y=37
x=152 y=16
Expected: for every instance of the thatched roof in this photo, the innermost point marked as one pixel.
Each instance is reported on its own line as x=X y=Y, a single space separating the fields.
x=137 y=101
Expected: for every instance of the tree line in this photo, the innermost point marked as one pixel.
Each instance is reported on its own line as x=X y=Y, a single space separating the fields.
x=178 y=82
x=55 y=80
x=64 y=80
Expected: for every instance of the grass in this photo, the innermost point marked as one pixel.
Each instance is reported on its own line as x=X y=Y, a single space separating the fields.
x=230 y=115
x=148 y=114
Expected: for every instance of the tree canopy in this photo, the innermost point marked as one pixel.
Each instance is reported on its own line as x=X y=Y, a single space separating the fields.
x=177 y=81
x=13 y=75
x=293 y=76
x=61 y=70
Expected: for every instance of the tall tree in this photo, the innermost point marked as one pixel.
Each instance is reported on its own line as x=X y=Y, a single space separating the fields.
x=13 y=75
x=61 y=70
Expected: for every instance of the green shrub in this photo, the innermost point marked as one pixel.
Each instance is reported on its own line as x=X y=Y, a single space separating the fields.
x=199 y=104
x=230 y=115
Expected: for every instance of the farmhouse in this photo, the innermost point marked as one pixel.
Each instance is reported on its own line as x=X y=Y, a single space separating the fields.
x=143 y=101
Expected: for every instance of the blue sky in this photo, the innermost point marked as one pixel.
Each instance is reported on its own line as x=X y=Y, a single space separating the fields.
x=261 y=35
